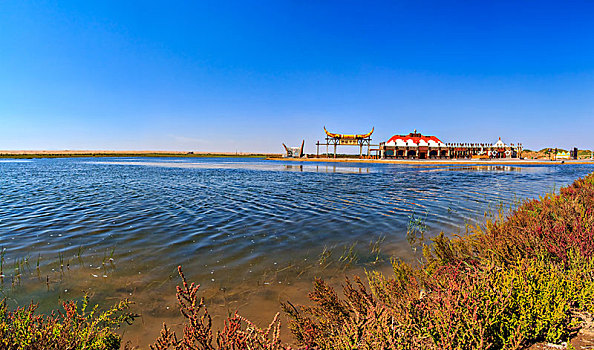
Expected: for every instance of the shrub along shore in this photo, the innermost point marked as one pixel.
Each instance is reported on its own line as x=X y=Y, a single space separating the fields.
x=520 y=278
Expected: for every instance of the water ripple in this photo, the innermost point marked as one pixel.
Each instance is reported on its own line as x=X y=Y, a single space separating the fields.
x=242 y=215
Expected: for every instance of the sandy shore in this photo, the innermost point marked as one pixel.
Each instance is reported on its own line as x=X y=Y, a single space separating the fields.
x=439 y=161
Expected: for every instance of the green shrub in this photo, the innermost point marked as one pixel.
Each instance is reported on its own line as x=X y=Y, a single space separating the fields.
x=454 y=307
x=74 y=328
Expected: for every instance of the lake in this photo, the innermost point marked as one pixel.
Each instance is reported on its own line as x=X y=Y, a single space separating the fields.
x=252 y=232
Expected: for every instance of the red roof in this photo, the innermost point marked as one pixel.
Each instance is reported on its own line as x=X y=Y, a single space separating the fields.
x=415 y=138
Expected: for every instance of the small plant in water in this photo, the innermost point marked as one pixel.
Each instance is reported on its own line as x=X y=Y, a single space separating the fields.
x=2 y=253
x=376 y=248
x=349 y=256
x=324 y=258
x=415 y=231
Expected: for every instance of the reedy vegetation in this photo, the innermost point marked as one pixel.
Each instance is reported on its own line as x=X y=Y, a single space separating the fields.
x=519 y=278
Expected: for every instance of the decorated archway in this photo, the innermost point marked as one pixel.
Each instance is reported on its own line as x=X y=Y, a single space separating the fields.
x=334 y=139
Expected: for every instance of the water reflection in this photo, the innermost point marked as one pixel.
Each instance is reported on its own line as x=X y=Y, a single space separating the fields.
x=328 y=169
x=268 y=166
x=487 y=168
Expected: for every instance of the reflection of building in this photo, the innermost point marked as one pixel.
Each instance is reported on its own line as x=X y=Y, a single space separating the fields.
x=417 y=146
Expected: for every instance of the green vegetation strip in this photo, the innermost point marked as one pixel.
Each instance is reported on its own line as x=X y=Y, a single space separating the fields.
x=518 y=279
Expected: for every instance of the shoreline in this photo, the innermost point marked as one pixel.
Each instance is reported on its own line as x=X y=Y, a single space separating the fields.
x=38 y=154
x=436 y=161
x=103 y=153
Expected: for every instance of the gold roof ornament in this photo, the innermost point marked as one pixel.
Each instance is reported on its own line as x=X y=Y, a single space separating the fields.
x=347 y=136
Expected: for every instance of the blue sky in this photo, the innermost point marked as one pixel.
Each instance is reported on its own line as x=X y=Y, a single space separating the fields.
x=246 y=76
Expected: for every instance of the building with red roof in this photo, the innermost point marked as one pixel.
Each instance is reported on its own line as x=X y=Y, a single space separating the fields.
x=418 y=146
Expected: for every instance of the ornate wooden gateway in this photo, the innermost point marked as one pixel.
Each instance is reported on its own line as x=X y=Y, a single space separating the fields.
x=333 y=139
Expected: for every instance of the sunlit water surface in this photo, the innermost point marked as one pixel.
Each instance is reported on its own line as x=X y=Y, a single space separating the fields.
x=252 y=232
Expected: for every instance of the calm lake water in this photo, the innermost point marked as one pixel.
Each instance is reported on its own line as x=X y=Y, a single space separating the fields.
x=251 y=231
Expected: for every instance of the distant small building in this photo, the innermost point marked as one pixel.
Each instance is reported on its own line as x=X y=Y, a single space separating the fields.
x=562 y=155
x=294 y=152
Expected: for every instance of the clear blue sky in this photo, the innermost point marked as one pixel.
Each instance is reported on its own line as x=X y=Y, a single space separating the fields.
x=229 y=75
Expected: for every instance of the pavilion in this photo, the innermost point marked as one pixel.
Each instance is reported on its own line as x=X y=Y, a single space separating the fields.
x=334 y=139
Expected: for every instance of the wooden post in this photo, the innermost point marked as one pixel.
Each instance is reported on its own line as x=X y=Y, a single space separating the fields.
x=334 y=148
x=318 y=149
